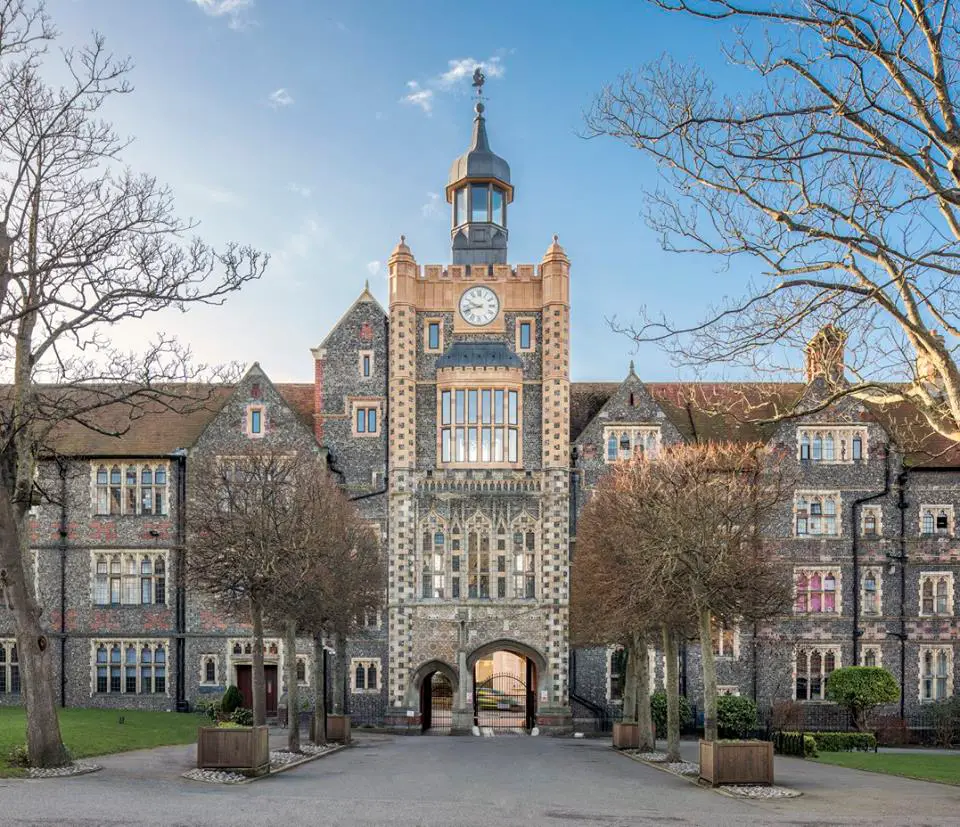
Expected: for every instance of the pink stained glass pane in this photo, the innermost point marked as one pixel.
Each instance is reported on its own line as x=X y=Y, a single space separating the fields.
x=816 y=604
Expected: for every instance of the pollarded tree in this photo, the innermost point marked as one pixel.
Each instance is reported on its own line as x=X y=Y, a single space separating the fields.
x=331 y=573
x=699 y=517
x=247 y=517
x=834 y=169
x=84 y=244
x=860 y=689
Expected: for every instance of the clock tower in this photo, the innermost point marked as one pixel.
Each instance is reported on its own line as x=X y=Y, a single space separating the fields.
x=478 y=469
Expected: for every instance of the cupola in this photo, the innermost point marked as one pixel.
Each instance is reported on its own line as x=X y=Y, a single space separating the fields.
x=479 y=190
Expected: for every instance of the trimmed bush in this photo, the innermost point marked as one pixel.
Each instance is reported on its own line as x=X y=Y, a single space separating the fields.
x=231 y=700
x=801 y=745
x=209 y=707
x=860 y=689
x=658 y=709
x=736 y=716
x=845 y=741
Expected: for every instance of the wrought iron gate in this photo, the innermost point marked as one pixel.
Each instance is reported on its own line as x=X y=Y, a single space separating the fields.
x=503 y=701
x=438 y=708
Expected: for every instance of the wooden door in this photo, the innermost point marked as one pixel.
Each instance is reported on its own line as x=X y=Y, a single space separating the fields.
x=245 y=684
x=270 y=679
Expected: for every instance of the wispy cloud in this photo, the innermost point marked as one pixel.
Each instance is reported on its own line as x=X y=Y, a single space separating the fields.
x=462 y=69
x=297 y=248
x=418 y=97
x=280 y=97
x=373 y=267
x=236 y=12
x=433 y=208
x=299 y=189
x=458 y=74
x=218 y=195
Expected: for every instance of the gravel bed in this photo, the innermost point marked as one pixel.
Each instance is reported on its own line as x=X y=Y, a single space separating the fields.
x=653 y=757
x=214 y=776
x=280 y=758
x=751 y=791
x=684 y=768
x=76 y=768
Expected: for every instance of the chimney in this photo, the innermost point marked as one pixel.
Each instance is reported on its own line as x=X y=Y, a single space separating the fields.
x=926 y=371
x=825 y=355
x=319 y=360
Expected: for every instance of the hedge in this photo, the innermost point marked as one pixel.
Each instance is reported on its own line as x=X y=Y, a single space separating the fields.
x=789 y=743
x=799 y=744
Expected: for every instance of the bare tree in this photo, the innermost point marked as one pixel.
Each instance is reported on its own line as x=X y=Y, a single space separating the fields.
x=837 y=172
x=331 y=572
x=700 y=518
x=84 y=243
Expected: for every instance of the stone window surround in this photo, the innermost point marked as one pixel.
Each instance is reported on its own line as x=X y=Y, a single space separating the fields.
x=10 y=671
x=138 y=644
x=273 y=655
x=633 y=430
x=140 y=556
x=204 y=659
x=533 y=334
x=509 y=380
x=366 y=402
x=514 y=580
x=360 y=356
x=427 y=321
x=823 y=497
x=823 y=649
x=933 y=510
x=935 y=576
x=877 y=512
x=366 y=663
x=823 y=571
x=255 y=407
x=838 y=434
x=935 y=650
x=652 y=654
x=123 y=465
x=877 y=573
x=731 y=634
x=877 y=653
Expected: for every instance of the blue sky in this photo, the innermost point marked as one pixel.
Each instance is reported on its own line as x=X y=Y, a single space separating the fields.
x=285 y=124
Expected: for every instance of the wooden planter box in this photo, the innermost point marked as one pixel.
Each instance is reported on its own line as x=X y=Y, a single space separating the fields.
x=736 y=762
x=338 y=728
x=626 y=736
x=244 y=749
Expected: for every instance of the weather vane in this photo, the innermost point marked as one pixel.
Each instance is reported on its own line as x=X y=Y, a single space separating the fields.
x=479 y=78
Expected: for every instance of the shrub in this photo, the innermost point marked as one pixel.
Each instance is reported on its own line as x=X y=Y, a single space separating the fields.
x=242 y=717
x=802 y=745
x=211 y=707
x=892 y=731
x=860 y=689
x=231 y=700
x=736 y=716
x=787 y=716
x=946 y=720
x=845 y=741
x=658 y=709
x=18 y=756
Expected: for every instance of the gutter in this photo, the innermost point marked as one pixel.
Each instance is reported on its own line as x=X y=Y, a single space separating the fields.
x=855 y=548
x=62 y=545
x=180 y=600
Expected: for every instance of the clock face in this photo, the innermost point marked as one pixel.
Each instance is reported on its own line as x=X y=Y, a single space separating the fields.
x=479 y=306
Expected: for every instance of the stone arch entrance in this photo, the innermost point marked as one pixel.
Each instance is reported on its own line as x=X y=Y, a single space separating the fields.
x=433 y=688
x=507 y=676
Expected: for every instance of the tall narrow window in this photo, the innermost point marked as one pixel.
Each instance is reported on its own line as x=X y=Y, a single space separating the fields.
x=460 y=214
x=805 y=446
x=433 y=335
x=256 y=425
x=498 y=203
x=479 y=202
x=870 y=602
x=857 y=447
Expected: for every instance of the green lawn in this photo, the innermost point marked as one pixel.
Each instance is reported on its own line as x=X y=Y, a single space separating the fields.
x=925 y=766
x=89 y=732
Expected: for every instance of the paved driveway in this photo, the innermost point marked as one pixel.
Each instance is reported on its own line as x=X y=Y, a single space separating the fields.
x=449 y=782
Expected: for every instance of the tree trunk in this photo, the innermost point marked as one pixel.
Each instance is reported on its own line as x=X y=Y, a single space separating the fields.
x=320 y=688
x=709 y=676
x=293 y=692
x=258 y=686
x=630 y=686
x=644 y=717
x=44 y=742
x=340 y=675
x=672 y=686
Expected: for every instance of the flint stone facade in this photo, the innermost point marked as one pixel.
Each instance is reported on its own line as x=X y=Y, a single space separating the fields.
x=376 y=409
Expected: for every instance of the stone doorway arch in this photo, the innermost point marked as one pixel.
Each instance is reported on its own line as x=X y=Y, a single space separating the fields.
x=511 y=699
x=435 y=713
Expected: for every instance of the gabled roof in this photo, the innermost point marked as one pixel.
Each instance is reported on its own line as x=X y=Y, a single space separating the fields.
x=364 y=297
